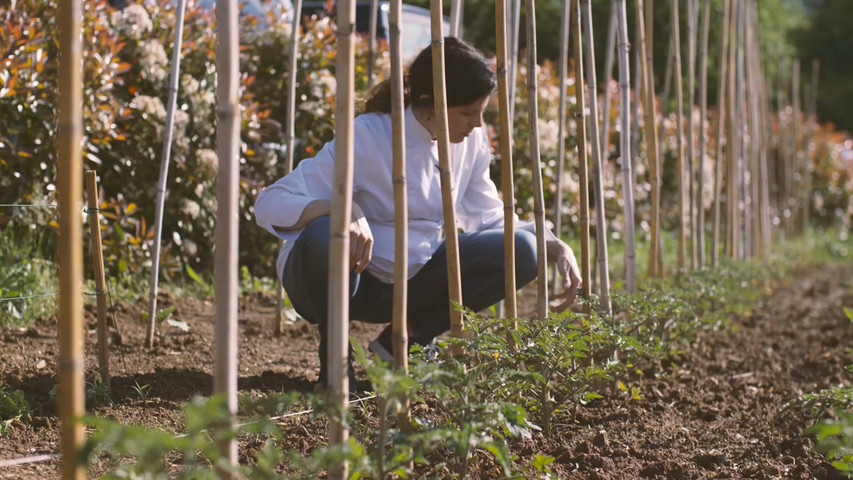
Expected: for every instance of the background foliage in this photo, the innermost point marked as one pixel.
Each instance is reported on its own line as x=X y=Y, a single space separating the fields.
x=127 y=56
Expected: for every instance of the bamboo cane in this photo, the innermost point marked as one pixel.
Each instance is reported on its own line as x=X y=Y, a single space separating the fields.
x=667 y=85
x=507 y=187
x=796 y=152
x=339 y=268
x=766 y=142
x=785 y=159
x=625 y=145
x=536 y=163
x=226 y=232
x=679 y=96
x=807 y=146
x=562 y=71
x=699 y=237
x=760 y=183
x=650 y=124
x=691 y=128
x=754 y=137
x=601 y=223
x=174 y=81
x=455 y=18
x=583 y=177
x=718 y=159
x=71 y=389
x=454 y=282
x=731 y=141
x=289 y=129
x=608 y=70
x=100 y=280
x=743 y=212
x=399 y=328
x=371 y=41
x=763 y=184
x=513 y=59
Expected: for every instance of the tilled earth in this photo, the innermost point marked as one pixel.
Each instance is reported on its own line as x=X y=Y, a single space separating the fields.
x=715 y=410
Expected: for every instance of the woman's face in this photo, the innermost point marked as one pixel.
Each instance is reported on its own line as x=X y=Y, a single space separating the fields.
x=462 y=119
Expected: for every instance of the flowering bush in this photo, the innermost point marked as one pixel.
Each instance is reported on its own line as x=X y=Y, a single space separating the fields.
x=127 y=60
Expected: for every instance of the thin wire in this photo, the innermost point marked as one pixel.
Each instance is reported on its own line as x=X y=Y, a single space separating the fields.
x=51 y=205
x=23 y=461
x=9 y=299
x=96 y=293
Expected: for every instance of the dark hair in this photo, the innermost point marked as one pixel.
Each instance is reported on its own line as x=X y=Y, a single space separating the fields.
x=466 y=74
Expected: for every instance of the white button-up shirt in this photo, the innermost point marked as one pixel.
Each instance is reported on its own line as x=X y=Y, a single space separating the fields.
x=478 y=205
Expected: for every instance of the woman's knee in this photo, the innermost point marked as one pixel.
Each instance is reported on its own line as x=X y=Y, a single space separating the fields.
x=525 y=256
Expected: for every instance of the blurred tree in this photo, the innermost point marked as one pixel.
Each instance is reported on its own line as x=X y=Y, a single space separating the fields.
x=827 y=38
x=777 y=17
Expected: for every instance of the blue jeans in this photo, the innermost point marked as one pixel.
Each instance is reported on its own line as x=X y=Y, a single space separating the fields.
x=481 y=256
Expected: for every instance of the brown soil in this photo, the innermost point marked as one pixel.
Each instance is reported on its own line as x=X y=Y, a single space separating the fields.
x=717 y=410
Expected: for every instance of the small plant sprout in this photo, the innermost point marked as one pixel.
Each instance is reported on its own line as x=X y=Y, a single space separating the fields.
x=142 y=391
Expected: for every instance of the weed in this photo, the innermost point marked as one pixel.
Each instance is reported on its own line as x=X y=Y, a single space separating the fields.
x=142 y=391
x=13 y=407
x=97 y=392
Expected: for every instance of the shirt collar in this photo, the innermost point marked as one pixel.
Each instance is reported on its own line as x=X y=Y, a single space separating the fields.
x=415 y=132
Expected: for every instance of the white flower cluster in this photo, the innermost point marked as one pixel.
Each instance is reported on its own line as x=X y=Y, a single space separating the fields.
x=150 y=107
x=133 y=21
x=207 y=158
x=153 y=61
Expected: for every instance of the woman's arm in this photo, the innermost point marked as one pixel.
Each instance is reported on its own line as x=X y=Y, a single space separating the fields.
x=567 y=266
x=361 y=238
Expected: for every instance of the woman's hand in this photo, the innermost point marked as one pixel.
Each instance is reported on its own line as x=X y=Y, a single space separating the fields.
x=567 y=267
x=360 y=241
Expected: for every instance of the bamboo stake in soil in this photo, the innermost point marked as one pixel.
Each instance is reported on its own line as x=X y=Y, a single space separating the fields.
x=228 y=191
x=721 y=106
x=399 y=328
x=601 y=223
x=676 y=49
x=731 y=141
x=507 y=187
x=648 y=87
x=691 y=143
x=174 y=81
x=454 y=283
x=699 y=236
x=743 y=209
x=625 y=144
x=71 y=360
x=339 y=267
x=562 y=71
x=536 y=163
x=583 y=177
x=289 y=129
x=100 y=280
x=608 y=76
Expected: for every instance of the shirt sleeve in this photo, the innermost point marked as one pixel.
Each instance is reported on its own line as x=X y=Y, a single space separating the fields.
x=282 y=203
x=480 y=207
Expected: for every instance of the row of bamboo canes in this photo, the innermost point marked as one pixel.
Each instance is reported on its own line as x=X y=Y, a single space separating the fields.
x=744 y=131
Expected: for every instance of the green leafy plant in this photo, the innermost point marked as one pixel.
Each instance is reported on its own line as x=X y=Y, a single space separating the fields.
x=142 y=391
x=13 y=407
x=97 y=392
